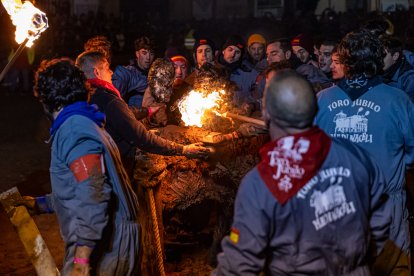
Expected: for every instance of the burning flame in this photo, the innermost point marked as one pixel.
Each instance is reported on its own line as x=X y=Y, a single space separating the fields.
x=195 y=104
x=30 y=22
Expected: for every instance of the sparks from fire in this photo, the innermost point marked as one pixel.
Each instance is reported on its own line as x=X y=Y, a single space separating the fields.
x=195 y=104
x=29 y=20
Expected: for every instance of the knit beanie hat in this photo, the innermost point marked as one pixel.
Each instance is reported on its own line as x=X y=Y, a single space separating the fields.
x=256 y=38
x=303 y=40
x=204 y=41
x=179 y=58
x=234 y=40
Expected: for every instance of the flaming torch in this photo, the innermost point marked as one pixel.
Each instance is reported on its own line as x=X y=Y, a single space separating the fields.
x=30 y=22
x=194 y=106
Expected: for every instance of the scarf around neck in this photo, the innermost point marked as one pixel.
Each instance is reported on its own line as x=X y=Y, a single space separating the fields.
x=288 y=163
x=358 y=86
x=78 y=108
x=105 y=85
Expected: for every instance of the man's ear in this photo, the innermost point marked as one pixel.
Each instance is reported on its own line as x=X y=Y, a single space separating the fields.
x=96 y=73
x=136 y=54
x=288 y=54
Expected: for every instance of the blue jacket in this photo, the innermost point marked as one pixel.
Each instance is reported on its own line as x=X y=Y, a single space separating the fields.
x=382 y=122
x=315 y=232
x=102 y=213
x=401 y=75
x=131 y=83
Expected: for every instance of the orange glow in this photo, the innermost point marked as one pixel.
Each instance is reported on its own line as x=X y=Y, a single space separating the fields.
x=195 y=104
x=29 y=20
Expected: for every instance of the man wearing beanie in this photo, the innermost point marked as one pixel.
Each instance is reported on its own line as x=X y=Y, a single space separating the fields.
x=302 y=46
x=255 y=56
x=203 y=53
x=243 y=77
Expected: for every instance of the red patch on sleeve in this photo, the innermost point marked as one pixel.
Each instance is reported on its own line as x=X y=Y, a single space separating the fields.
x=83 y=167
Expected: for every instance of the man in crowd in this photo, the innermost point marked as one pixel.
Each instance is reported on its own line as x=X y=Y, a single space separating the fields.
x=380 y=119
x=255 y=56
x=397 y=71
x=131 y=80
x=325 y=57
x=204 y=52
x=337 y=68
x=295 y=209
x=91 y=193
x=302 y=46
x=278 y=50
x=244 y=78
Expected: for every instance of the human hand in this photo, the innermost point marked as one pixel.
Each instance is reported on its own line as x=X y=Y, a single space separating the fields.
x=196 y=150
x=152 y=110
x=249 y=130
x=160 y=117
x=80 y=270
x=246 y=109
x=30 y=204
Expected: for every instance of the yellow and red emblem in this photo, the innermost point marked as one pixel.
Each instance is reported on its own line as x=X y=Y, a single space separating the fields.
x=234 y=235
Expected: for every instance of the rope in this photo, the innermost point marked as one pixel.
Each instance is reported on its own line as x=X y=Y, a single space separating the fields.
x=160 y=259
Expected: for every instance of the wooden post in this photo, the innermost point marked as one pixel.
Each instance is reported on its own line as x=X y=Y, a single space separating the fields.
x=29 y=234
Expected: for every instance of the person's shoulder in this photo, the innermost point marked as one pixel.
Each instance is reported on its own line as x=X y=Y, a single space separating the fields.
x=391 y=93
x=77 y=126
x=330 y=91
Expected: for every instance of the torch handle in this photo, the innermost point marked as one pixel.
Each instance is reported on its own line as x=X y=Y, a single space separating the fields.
x=13 y=59
x=245 y=119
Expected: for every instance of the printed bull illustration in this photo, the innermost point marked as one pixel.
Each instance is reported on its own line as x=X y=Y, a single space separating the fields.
x=327 y=200
x=352 y=124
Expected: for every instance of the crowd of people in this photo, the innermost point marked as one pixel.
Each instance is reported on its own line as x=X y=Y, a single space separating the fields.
x=328 y=196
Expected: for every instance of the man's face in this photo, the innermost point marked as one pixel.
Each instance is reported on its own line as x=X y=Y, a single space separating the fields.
x=204 y=54
x=325 y=58
x=256 y=51
x=301 y=53
x=337 y=68
x=275 y=54
x=231 y=54
x=103 y=72
x=180 y=71
x=144 y=58
x=390 y=59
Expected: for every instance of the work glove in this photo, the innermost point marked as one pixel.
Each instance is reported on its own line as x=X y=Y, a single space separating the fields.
x=196 y=150
x=249 y=130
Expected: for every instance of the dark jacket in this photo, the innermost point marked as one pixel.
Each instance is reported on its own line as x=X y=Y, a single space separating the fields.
x=127 y=132
x=324 y=229
x=131 y=83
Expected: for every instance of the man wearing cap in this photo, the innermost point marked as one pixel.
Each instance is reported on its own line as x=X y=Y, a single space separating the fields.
x=254 y=58
x=302 y=46
x=204 y=52
x=131 y=80
x=231 y=60
x=313 y=205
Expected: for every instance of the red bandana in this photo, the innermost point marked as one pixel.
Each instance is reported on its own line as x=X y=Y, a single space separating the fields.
x=291 y=161
x=104 y=84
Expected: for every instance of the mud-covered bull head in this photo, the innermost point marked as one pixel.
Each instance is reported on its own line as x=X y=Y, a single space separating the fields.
x=160 y=79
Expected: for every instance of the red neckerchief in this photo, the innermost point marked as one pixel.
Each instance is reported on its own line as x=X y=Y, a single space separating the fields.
x=105 y=85
x=291 y=161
